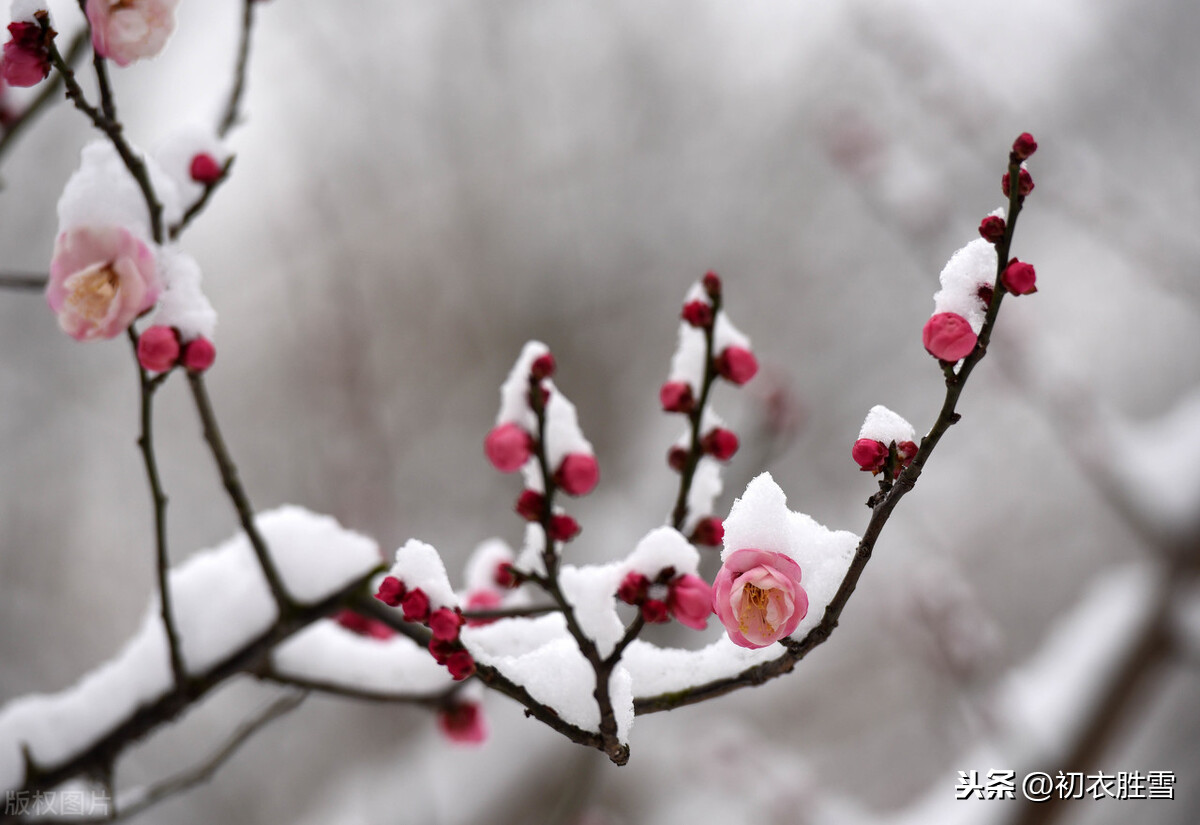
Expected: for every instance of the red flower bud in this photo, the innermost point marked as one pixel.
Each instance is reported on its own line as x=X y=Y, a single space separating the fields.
x=463 y=723
x=654 y=611
x=737 y=364
x=563 y=528
x=416 y=605
x=720 y=443
x=709 y=532
x=712 y=285
x=158 y=348
x=1024 y=146
x=460 y=664
x=1024 y=183
x=985 y=294
x=505 y=575
x=676 y=396
x=391 y=591
x=199 y=354
x=530 y=505
x=508 y=447
x=441 y=649
x=948 y=336
x=205 y=169
x=26 y=60
x=633 y=588
x=677 y=458
x=578 y=474
x=543 y=367
x=698 y=314
x=906 y=451
x=869 y=454
x=1019 y=278
x=991 y=229
x=445 y=623
x=482 y=600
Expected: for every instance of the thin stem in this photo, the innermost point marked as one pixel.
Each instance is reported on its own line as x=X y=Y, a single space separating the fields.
x=196 y=208
x=146 y=389
x=436 y=699
x=510 y=613
x=232 y=107
x=237 y=493
x=49 y=92
x=22 y=281
x=679 y=513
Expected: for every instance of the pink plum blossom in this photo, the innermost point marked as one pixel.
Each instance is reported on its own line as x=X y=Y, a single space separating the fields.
x=101 y=279
x=26 y=60
x=507 y=447
x=758 y=597
x=948 y=336
x=690 y=601
x=463 y=723
x=129 y=30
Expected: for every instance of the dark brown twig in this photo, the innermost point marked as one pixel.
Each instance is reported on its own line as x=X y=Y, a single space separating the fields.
x=679 y=513
x=22 y=281
x=232 y=107
x=48 y=93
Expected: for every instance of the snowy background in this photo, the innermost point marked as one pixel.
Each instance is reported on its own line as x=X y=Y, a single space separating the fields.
x=420 y=188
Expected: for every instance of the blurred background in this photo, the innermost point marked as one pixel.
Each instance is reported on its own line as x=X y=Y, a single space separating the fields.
x=422 y=187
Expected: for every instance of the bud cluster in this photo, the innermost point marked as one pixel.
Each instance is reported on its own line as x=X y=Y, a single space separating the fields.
x=444 y=623
x=686 y=597
x=160 y=348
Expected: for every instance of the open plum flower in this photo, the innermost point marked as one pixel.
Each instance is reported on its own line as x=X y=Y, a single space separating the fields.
x=129 y=30
x=101 y=279
x=758 y=597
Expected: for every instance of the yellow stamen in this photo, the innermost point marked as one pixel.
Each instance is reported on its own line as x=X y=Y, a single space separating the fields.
x=93 y=292
x=754 y=598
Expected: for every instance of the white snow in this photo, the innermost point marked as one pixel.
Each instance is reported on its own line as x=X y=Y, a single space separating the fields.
x=480 y=572
x=658 y=670
x=591 y=590
x=530 y=557
x=885 y=426
x=23 y=10
x=706 y=486
x=183 y=304
x=221 y=602
x=329 y=654
x=967 y=270
x=102 y=192
x=418 y=565
x=760 y=520
x=661 y=548
x=514 y=403
x=175 y=153
x=725 y=335
x=513 y=637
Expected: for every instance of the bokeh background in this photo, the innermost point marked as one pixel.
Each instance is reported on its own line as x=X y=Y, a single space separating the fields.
x=421 y=187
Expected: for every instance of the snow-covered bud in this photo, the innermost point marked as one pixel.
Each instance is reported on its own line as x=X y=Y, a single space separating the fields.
x=737 y=364
x=578 y=474
x=416 y=605
x=563 y=528
x=689 y=600
x=712 y=285
x=1019 y=278
x=906 y=451
x=633 y=588
x=391 y=591
x=698 y=314
x=985 y=292
x=199 y=354
x=709 y=532
x=677 y=397
x=158 y=348
x=445 y=623
x=543 y=367
x=530 y=505
x=508 y=447
x=991 y=229
x=1024 y=146
x=205 y=169
x=460 y=664
x=463 y=723
x=869 y=454
x=948 y=337
x=677 y=458
x=1024 y=183
x=654 y=611
x=720 y=443
x=26 y=60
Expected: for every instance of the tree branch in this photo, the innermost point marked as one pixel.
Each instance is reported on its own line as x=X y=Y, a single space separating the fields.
x=49 y=92
x=679 y=513
x=21 y=281
x=232 y=107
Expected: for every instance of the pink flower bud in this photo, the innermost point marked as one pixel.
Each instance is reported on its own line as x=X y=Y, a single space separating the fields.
x=101 y=279
x=508 y=447
x=578 y=474
x=991 y=229
x=1024 y=183
x=720 y=443
x=906 y=451
x=698 y=314
x=543 y=367
x=505 y=575
x=391 y=591
x=482 y=600
x=463 y=723
x=460 y=664
x=442 y=650
x=1024 y=146
x=633 y=588
x=655 y=611
x=737 y=364
x=677 y=459
x=690 y=601
x=445 y=623
x=26 y=60
x=158 y=348
x=129 y=30
x=758 y=597
x=676 y=396
x=712 y=285
x=416 y=605
x=869 y=454
x=563 y=528
x=709 y=532
x=948 y=336
x=530 y=505
x=199 y=354
x=1019 y=278
x=363 y=625
x=205 y=169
